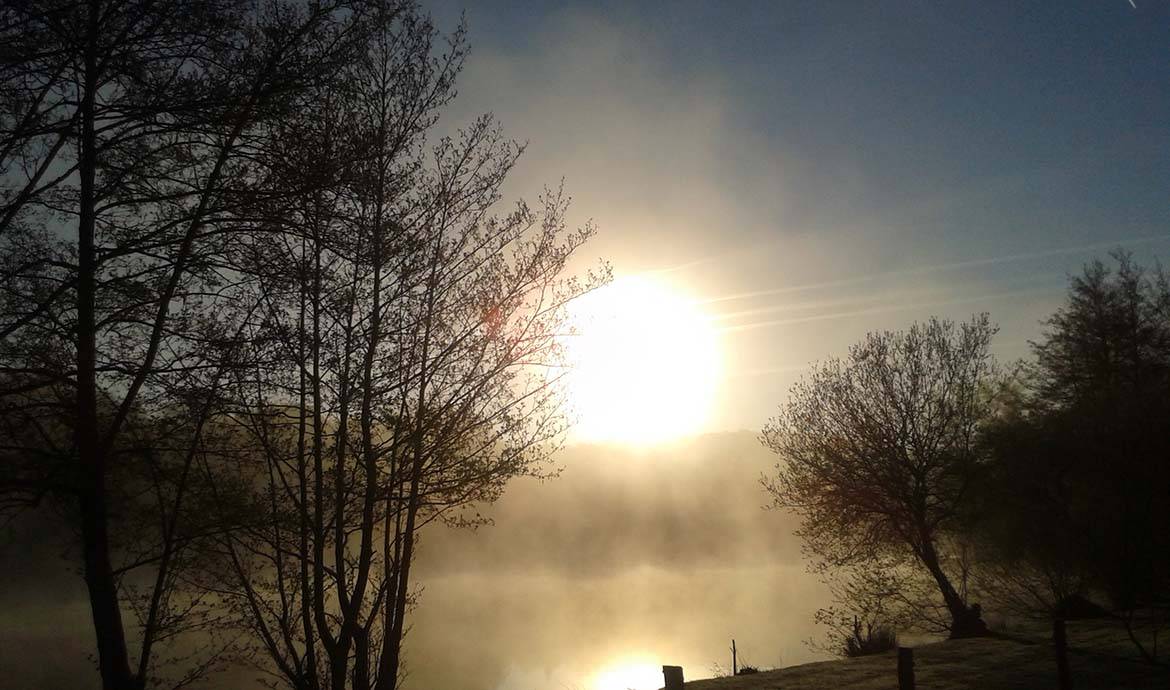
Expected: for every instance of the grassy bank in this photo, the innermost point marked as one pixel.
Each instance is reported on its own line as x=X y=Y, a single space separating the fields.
x=1100 y=656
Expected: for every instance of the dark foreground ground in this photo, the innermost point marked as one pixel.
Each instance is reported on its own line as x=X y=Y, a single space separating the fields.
x=1100 y=657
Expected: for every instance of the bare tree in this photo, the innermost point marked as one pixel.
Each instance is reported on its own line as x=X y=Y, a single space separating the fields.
x=404 y=364
x=879 y=452
x=127 y=144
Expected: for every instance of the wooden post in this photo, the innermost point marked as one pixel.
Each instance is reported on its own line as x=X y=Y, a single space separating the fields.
x=1060 y=640
x=673 y=677
x=734 y=667
x=905 y=668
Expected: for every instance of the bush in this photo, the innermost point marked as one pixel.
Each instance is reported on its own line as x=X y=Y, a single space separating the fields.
x=874 y=639
x=747 y=670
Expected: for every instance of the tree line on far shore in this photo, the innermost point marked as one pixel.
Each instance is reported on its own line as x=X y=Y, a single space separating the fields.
x=935 y=484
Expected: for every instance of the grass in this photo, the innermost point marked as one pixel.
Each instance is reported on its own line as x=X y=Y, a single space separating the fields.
x=1099 y=654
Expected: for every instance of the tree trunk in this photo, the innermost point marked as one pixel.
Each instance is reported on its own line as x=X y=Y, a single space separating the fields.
x=388 y=679
x=361 y=660
x=966 y=621
x=113 y=658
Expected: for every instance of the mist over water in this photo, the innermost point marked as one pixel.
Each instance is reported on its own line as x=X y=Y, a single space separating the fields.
x=630 y=557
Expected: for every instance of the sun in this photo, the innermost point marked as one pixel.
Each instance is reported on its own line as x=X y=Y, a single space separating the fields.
x=644 y=363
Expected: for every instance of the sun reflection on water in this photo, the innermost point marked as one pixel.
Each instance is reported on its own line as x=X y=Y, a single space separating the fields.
x=628 y=674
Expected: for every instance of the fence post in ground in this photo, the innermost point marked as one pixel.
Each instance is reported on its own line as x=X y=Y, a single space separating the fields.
x=905 y=668
x=673 y=677
x=734 y=667
x=1060 y=640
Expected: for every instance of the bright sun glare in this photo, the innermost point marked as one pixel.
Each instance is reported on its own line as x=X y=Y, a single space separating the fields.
x=645 y=363
x=634 y=675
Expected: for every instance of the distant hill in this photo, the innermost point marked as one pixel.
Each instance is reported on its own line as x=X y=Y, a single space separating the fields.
x=1100 y=657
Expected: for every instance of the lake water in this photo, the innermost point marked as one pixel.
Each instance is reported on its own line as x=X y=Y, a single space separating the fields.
x=631 y=559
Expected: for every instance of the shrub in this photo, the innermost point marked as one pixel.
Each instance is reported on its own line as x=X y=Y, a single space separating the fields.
x=874 y=639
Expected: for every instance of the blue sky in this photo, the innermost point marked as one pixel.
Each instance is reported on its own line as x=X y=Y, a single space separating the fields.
x=822 y=169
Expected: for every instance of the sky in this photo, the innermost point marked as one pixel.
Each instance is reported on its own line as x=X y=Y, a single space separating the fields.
x=811 y=171
x=804 y=172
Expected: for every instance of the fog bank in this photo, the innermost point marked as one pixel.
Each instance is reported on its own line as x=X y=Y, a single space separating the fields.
x=649 y=556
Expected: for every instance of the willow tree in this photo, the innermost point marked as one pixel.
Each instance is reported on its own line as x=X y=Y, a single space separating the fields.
x=879 y=453
x=128 y=151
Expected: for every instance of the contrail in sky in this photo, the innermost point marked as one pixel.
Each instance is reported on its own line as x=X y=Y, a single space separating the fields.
x=677 y=267
x=1024 y=256
x=1036 y=280
x=889 y=308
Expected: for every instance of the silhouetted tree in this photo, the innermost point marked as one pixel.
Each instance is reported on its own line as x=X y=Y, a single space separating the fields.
x=1082 y=467
x=403 y=364
x=128 y=149
x=878 y=452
